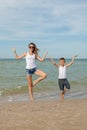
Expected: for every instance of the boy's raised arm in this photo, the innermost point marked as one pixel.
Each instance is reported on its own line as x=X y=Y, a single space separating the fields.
x=72 y=61
x=54 y=63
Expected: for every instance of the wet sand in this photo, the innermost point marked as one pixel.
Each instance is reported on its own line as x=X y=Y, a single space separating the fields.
x=44 y=115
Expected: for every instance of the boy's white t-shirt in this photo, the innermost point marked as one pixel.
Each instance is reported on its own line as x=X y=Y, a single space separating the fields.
x=62 y=72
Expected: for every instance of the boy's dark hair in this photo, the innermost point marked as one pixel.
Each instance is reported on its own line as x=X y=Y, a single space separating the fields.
x=62 y=58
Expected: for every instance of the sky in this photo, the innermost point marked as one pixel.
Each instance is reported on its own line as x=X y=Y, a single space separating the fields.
x=56 y=26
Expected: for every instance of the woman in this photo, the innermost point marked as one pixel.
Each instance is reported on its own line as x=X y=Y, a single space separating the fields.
x=31 y=66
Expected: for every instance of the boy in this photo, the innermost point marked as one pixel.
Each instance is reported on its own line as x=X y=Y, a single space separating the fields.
x=62 y=80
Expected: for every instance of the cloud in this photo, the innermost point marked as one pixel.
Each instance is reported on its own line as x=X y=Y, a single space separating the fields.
x=21 y=19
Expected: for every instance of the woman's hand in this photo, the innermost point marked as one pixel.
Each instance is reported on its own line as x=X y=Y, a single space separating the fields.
x=14 y=50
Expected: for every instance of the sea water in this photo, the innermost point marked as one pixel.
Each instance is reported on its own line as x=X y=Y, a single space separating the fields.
x=13 y=79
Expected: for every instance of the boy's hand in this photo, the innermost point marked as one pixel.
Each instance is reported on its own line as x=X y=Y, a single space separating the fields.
x=75 y=56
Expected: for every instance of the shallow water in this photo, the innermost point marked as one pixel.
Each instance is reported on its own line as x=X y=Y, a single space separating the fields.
x=13 y=78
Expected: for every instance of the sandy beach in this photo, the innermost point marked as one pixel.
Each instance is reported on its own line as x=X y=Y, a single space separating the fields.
x=44 y=115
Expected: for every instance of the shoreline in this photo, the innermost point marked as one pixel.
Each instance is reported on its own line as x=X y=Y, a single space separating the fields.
x=44 y=115
x=42 y=96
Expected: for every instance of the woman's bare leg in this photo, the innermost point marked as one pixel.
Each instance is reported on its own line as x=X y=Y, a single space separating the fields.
x=30 y=86
x=42 y=76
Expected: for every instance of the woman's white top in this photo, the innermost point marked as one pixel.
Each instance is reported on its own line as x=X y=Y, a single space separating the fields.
x=62 y=72
x=30 y=61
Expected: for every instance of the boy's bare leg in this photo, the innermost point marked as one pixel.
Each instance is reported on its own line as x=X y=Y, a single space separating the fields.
x=63 y=94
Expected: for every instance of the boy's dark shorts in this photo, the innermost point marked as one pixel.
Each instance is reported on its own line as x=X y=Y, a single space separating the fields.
x=63 y=83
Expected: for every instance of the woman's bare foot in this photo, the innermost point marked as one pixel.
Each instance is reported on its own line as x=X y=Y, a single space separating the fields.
x=31 y=99
x=34 y=83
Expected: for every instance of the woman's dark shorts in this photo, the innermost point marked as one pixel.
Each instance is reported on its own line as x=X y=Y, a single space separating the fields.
x=63 y=83
x=30 y=71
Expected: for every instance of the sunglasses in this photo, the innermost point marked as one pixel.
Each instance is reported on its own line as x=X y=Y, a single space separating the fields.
x=31 y=47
